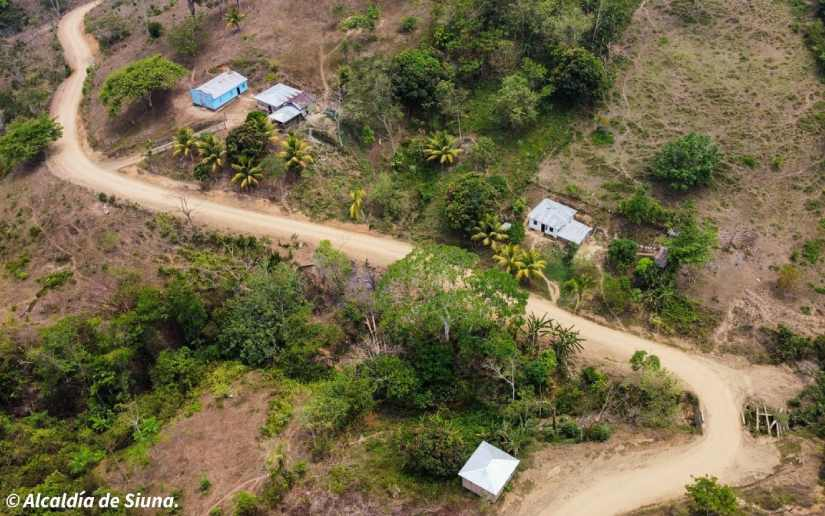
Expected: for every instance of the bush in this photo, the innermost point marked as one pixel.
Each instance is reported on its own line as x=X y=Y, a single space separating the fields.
x=687 y=162
x=516 y=103
x=621 y=253
x=409 y=24
x=247 y=504
x=249 y=139
x=434 y=448
x=618 y=294
x=188 y=37
x=569 y=429
x=176 y=369
x=340 y=402
x=709 y=497
x=395 y=381
x=788 y=277
x=25 y=139
x=641 y=208
x=468 y=199
x=579 y=76
x=600 y=432
x=415 y=76
x=155 y=29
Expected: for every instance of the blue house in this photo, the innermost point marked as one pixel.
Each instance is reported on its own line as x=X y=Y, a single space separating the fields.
x=217 y=92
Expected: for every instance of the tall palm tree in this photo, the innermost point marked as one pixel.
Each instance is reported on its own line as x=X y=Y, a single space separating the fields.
x=296 y=154
x=212 y=151
x=356 y=209
x=534 y=329
x=233 y=18
x=578 y=286
x=507 y=257
x=530 y=265
x=248 y=172
x=184 y=143
x=566 y=345
x=442 y=147
x=489 y=231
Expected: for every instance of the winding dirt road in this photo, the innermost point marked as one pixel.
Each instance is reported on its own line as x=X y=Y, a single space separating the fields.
x=719 y=451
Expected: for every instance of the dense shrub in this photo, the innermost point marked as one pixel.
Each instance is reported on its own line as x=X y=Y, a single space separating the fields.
x=467 y=200
x=687 y=162
x=25 y=140
x=177 y=369
x=154 y=29
x=250 y=139
x=415 y=76
x=340 y=402
x=621 y=253
x=599 y=432
x=579 y=76
x=433 y=448
x=257 y=321
x=710 y=498
x=12 y=18
x=409 y=24
x=618 y=294
x=516 y=103
x=641 y=208
x=395 y=382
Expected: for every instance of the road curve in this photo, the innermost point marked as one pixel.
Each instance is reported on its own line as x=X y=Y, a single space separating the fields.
x=658 y=478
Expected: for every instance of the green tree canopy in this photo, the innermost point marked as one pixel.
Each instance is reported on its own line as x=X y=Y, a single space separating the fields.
x=468 y=199
x=687 y=162
x=138 y=81
x=710 y=498
x=516 y=103
x=415 y=76
x=25 y=139
x=579 y=76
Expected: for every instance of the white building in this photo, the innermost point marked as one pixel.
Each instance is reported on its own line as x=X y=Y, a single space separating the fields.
x=557 y=220
x=284 y=104
x=488 y=470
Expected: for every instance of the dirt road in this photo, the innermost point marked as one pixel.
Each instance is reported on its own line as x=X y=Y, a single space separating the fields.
x=720 y=451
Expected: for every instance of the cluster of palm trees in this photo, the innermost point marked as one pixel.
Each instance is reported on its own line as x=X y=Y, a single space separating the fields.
x=207 y=146
x=524 y=264
x=248 y=171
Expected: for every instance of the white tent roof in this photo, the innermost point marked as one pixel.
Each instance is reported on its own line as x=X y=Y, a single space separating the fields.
x=277 y=95
x=222 y=83
x=285 y=114
x=489 y=468
x=575 y=232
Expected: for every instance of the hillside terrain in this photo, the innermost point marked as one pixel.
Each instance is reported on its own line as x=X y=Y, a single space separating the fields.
x=373 y=305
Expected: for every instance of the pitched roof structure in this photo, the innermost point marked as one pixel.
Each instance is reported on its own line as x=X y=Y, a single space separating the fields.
x=489 y=468
x=277 y=95
x=286 y=114
x=560 y=221
x=218 y=85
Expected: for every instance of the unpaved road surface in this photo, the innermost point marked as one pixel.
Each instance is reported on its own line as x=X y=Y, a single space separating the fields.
x=720 y=451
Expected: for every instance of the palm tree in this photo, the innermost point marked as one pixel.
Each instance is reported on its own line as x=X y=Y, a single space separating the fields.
x=566 y=345
x=212 y=151
x=296 y=154
x=490 y=232
x=356 y=209
x=507 y=257
x=248 y=172
x=534 y=329
x=233 y=18
x=530 y=265
x=184 y=143
x=578 y=286
x=442 y=147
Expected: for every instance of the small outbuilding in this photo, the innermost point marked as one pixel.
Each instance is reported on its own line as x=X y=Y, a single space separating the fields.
x=220 y=90
x=488 y=470
x=284 y=104
x=559 y=221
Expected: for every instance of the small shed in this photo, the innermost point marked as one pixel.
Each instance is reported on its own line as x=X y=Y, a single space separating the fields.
x=220 y=90
x=488 y=470
x=557 y=220
x=284 y=104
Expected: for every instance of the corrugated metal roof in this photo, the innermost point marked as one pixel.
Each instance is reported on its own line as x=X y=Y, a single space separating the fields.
x=286 y=114
x=225 y=82
x=489 y=468
x=575 y=232
x=277 y=95
x=552 y=213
